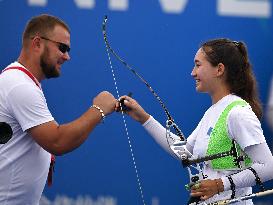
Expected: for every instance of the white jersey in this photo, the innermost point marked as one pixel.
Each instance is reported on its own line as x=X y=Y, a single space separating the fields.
x=243 y=126
x=24 y=164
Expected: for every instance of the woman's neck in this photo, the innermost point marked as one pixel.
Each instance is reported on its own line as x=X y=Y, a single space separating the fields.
x=219 y=94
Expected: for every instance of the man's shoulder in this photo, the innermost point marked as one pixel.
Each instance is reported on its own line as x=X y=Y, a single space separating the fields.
x=13 y=79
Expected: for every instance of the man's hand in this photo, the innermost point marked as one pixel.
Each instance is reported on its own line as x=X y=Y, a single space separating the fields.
x=105 y=101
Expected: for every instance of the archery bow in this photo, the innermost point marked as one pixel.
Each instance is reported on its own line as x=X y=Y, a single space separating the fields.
x=170 y=121
x=122 y=110
x=242 y=198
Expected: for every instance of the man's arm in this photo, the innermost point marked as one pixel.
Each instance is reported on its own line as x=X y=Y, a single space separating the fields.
x=60 y=139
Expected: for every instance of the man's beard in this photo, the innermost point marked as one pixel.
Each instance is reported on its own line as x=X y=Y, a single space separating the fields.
x=49 y=70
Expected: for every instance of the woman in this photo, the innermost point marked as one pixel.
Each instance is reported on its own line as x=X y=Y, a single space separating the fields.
x=222 y=70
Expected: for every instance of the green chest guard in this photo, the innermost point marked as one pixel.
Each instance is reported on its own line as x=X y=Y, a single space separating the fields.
x=220 y=142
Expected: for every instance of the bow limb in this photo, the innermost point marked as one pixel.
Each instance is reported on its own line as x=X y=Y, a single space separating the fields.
x=170 y=121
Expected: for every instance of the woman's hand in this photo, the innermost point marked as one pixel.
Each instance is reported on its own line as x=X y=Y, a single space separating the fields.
x=134 y=110
x=207 y=188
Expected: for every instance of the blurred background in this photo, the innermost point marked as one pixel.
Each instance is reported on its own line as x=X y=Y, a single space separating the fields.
x=158 y=39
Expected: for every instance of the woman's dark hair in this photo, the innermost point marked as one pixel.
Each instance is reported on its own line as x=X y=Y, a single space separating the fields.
x=239 y=74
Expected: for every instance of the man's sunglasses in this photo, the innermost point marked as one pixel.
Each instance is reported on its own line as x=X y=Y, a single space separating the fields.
x=62 y=46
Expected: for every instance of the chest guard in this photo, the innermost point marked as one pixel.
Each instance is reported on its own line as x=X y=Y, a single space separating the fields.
x=221 y=142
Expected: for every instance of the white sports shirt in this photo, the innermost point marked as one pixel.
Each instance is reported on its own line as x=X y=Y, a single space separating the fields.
x=244 y=127
x=24 y=164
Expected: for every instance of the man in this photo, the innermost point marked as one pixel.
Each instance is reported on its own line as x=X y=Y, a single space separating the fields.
x=25 y=158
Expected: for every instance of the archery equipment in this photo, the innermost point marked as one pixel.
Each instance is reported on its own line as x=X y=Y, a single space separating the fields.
x=240 y=199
